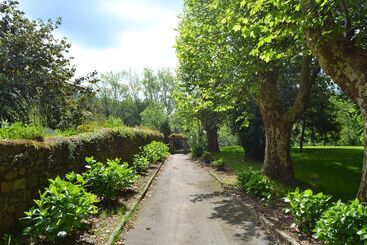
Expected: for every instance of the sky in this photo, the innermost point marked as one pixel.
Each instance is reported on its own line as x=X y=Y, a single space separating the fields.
x=112 y=35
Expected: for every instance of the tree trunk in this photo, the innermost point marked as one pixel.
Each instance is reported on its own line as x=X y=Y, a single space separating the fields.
x=302 y=137
x=362 y=191
x=212 y=137
x=278 y=122
x=277 y=161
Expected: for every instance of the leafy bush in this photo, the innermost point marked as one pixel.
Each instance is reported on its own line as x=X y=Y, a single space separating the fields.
x=19 y=130
x=113 y=122
x=256 y=184
x=156 y=151
x=343 y=224
x=219 y=164
x=140 y=163
x=197 y=150
x=207 y=157
x=107 y=180
x=307 y=208
x=61 y=209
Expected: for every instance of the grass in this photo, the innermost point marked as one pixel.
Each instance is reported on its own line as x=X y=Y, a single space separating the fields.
x=334 y=170
x=233 y=158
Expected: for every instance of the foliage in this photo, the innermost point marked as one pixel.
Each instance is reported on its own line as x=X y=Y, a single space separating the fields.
x=343 y=224
x=246 y=121
x=256 y=184
x=140 y=163
x=127 y=94
x=207 y=157
x=219 y=164
x=350 y=120
x=197 y=150
x=36 y=64
x=155 y=151
x=107 y=180
x=60 y=210
x=19 y=130
x=154 y=116
x=307 y=207
x=226 y=136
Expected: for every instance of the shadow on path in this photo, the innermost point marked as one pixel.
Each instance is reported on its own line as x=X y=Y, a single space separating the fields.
x=230 y=211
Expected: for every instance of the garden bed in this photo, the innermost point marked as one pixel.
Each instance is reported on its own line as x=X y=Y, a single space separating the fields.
x=102 y=225
x=272 y=212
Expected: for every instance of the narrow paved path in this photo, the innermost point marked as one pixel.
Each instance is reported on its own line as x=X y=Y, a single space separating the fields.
x=187 y=206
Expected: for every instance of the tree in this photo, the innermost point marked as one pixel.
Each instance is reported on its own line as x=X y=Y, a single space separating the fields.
x=248 y=124
x=154 y=116
x=334 y=31
x=214 y=53
x=36 y=64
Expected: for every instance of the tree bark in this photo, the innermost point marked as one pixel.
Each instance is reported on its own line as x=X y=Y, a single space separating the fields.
x=278 y=122
x=277 y=160
x=346 y=64
x=212 y=138
x=302 y=137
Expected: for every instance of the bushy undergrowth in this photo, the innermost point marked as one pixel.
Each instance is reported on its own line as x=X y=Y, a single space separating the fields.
x=19 y=130
x=141 y=163
x=60 y=210
x=107 y=180
x=155 y=151
x=207 y=157
x=256 y=184
x=307 y=208
x=343 y=224
x=219 y=164
x=197 y=150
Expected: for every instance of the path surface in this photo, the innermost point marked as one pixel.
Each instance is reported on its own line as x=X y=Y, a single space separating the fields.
x=187 y=206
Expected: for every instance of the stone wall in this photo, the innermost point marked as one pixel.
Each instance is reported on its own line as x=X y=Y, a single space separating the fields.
x=26 y=166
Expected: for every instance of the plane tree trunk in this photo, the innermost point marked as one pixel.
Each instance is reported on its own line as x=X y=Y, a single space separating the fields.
x=278 y=122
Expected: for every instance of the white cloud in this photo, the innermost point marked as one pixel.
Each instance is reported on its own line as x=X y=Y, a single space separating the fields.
x=150 y=46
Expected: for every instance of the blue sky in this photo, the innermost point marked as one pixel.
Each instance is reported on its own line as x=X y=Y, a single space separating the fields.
x=114 y=34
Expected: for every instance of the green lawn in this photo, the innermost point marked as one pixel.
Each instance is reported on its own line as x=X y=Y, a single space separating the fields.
x=332 y=169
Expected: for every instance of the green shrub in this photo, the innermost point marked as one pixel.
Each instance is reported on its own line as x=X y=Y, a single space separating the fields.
x=107 y=180
x=155 y=151
x=343 y=224
x=113 y=122
x=207 y=157
x=19 y=130
x=307 y=208
x=60 y=210
x=256 y=184
x=140 y=163
x=219 y=164
x=197 y=150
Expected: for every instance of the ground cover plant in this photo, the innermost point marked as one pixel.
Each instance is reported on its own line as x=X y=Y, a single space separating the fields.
x=343 y=223
x=307 y=207
x=219 y=164
x=107 y=180
x=19 y=130
x=140 y=163
x=155 y=151
x=255 y=183
x=207 y=157
x=60 y=210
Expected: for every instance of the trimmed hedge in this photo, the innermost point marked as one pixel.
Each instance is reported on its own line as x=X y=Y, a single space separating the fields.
x=26 y=166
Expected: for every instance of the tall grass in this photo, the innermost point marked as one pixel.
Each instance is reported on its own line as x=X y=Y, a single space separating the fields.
x=29 y=111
